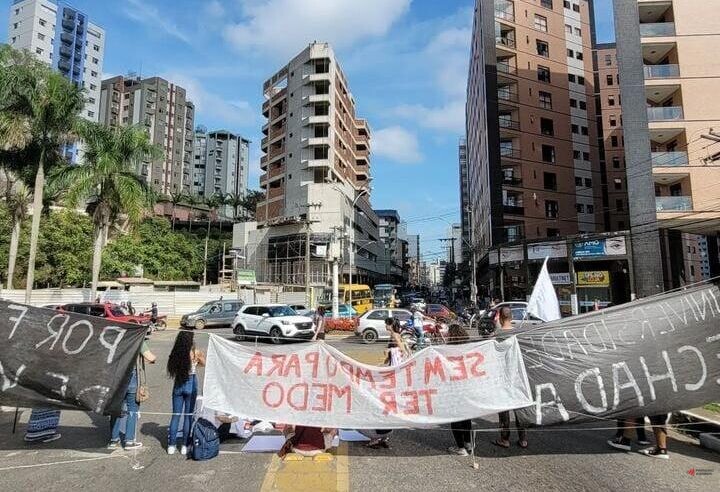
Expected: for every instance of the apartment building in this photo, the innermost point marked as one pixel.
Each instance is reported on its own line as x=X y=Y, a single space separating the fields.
x=669 y=75
x=395 y=243
x=465 y=210
x=316 y=175
x=163 y=109
x=533 y=163
x=64 y=38
x=454 y=244
x=220 y=163
x=200 y=139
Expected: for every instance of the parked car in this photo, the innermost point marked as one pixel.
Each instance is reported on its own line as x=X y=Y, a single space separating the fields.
x=438 y=311
x=276 y=322
x=215 y=314
x=107 y=310
x=302 y=310
x=488 y=321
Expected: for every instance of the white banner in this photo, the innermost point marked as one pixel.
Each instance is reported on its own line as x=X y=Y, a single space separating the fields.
x=511 y=254
x=315 y=384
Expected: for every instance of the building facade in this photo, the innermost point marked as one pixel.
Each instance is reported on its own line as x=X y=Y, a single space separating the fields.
x=200 y=141
x=395 y=245
x=533 y=164
x=163 y=109
x=316 y=176
x=662 y=49
x=465 y=210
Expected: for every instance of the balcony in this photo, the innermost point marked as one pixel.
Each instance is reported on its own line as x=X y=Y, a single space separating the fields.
x=669 y=159
x=657 y=29
x=509 y=124
x=67 y=38
x=512 y=181
x=505 y=15
x=506 y=68
x=516 y=209
x=509 y=153
x=507 y=95
x=665 y=113
x=673 y=203
x=670 y=71
x=505 y=42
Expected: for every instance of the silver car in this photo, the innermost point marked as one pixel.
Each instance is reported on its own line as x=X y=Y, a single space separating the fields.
x=371 y=325
x=218 y=313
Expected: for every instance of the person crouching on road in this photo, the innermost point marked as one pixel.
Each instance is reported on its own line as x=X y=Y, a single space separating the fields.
x=506 y=327
x=319 y=324
x=307 y=441
x=182 y=367
x=462 y=430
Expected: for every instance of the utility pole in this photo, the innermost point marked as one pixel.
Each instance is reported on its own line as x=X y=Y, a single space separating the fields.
x=473 y=260
x=308 y=222
x=335 y=271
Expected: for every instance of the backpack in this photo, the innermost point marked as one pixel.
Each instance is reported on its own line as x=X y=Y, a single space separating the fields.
x=205 y=442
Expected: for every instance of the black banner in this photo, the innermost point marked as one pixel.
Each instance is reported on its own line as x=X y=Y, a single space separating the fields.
x=649 y=357
x=64 y=360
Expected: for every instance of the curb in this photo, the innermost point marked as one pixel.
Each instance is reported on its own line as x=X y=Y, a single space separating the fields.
x=702 y=416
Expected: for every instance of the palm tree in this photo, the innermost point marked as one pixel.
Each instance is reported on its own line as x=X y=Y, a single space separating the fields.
x=17 y=198
x=213 y=202
x=39 y=109
x=193 y=201
x=175 y=198
x=106 y=178
x=235 y=200
x=252 y=197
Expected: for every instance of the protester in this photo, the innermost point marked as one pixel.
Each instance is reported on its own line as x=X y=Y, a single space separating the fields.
x=42 y=426
x=660 y=430
x=319 y=321
x=130 y=308
x=419 y=325
x=461 y=431
x=182 y=366
x=154 y=313
x=506 y=326
x=307 y=441
x=620 y=441
x=131 y=404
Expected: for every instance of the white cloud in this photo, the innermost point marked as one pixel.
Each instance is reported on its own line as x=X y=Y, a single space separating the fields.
x=215 y=9
x=397 y=144
x=148 y=15
x=235 y=113
x=283 y=27
x=449 y=117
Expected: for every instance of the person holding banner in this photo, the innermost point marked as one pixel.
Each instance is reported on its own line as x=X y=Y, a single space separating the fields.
x=42 y=426
x=504 y=417
x=461 y=431
x=319 y=324
x=182 y=367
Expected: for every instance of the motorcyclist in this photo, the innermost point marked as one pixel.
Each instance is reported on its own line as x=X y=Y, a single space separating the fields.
x=154 y=313
x=418 y=324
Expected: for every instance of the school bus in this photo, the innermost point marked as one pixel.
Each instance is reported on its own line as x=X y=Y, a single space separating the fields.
x=362 y=298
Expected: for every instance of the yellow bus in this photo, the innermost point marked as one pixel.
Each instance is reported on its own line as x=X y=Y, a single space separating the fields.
x=362 y=297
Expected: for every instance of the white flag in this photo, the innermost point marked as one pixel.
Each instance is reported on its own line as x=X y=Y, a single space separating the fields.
x=543 y=301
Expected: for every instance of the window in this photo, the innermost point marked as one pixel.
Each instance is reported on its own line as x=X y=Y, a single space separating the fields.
x=545 y=99
x=543 y=74
x=578 y=31
x=613 y=120
x=91 y=100
x=576 y=154
x=551 y=209
x=583 y=105
x=579 y=55
x=548 y=153
x=611 y=100
x=570 y=53
x=96 y=47
x=93 y=87
x=540 y=23
x=95 y=60
x=543 y=49
x=618 y=183
x=578 y=181
x=546 y=3
x=581 y=80
x=576 y=7
x=614 y=141
x=584 y=130
x=571 y=77
x=609 y=79
x=590 y=209
x=619 y=206
x=574 y=128
x=568 y=29
x=566 y=4
x=546 y=126
x=91 y=114
x=580 y=208
x=586 y=156
x=588 y=183
x=573 y=103
x=550 y=181
x=41 y=36
x=39 y=51
x=552 y=232
x=380 y=314
x=608 y=60
x=616 y=162
x=93 y=74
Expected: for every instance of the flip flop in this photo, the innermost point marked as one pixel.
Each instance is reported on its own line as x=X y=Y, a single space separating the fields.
x=500 y=444
x=523 y=444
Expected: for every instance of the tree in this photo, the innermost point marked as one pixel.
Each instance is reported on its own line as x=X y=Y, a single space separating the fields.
x=175 y=199
x=39 y=109
x=193 y=201
x=107 y=180
x=252 y=198
x=17 y=198
x=235 y=200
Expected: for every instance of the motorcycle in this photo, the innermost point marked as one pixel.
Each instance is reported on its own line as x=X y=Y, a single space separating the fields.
x=433 y=335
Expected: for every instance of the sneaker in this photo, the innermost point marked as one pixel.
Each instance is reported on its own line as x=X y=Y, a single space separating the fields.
x=656 y=453
x=183 y=450
x=622 y=443
x=171 y=449
x=457 y=451
x=113 y=444
x=643 y=443
x=52 y=438
x=133 y=445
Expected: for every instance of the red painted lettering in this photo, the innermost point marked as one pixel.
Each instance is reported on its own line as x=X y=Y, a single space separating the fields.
x=321 y=396
x=389 y=402
x=408 y=373
x=389 y=377
x=475 y=368
x=312 y=359
x=435 y=368
x=255 y=363
x=340 y=393
x=412 y=405
x=280 y=395
x=347 y=368
x=428 y=394
x=303 y=387
x=331 y=366
x=458 y=365
x=364 y=375
x=278 y=361
x=292 y=364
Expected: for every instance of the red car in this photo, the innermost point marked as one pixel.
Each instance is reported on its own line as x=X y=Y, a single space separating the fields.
x=107 y=310
x=438 y=311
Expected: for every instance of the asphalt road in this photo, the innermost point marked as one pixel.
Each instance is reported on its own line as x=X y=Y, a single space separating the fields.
x=558 y=458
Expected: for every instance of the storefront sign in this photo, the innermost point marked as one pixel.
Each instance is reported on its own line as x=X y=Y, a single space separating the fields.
x=514 y=253
x=560 y=278
x=593 y=279
x=600 y=247
x=540 y=251
x=245 y=277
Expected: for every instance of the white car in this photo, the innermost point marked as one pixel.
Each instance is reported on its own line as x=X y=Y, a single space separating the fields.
x=371 y=325
x=276 y=322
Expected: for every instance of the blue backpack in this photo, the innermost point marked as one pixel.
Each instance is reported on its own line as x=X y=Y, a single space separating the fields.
x=205 y=443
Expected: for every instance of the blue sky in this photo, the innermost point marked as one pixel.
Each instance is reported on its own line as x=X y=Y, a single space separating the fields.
x=406 y=62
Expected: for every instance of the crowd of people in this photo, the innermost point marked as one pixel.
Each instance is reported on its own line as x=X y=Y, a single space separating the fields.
x=185 y=358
